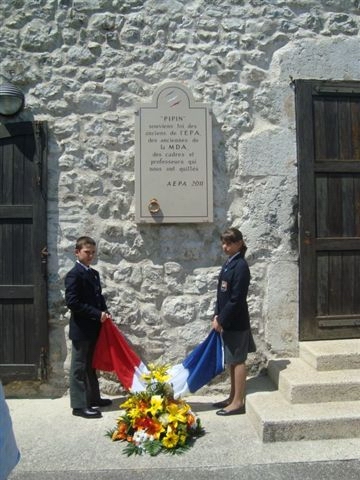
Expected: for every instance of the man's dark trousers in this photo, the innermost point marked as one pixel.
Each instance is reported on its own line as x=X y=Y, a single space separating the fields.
x=82 y=386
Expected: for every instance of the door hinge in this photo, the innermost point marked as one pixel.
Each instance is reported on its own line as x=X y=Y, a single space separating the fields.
x=44 y=256
x=43 y=373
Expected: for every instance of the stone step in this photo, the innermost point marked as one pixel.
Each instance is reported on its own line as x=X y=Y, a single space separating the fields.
x=332 y=354
x=301 y=383
x=277 y=420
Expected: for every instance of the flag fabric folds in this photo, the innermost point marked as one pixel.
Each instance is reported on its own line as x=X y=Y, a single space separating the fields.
x=114 y=354
x=204 y=363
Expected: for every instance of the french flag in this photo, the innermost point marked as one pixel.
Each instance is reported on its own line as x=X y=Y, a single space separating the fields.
x=204 y=363
x=114 y=354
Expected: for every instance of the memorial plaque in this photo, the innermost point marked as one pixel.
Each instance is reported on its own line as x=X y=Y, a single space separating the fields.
x=173 y=174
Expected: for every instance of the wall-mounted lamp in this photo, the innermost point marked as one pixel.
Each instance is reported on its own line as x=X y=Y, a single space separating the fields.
x=12 y=99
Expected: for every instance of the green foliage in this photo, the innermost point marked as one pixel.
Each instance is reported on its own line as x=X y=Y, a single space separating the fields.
x=153 y=447
x=110 y=433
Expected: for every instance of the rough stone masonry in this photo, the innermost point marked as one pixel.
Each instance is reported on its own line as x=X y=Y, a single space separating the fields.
x=84 y=65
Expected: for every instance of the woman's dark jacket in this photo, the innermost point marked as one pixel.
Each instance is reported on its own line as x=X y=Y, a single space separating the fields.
x=231 y=305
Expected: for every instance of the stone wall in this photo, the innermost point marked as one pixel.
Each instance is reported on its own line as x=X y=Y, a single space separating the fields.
x=84 y=65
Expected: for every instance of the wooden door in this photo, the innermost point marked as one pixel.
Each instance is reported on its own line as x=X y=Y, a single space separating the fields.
x=328 y=137
x=23 y=295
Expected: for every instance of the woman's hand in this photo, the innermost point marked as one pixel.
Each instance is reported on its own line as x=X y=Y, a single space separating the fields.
x=216 y=325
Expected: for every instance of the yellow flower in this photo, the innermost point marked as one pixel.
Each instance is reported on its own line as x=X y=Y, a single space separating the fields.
x=161 y=377
x=156 y=404
x=138 y=409
x=170 y=440
x=129 y=403
x=182 y=439
x=134 y=414
x=157 y=373
x=177 y=413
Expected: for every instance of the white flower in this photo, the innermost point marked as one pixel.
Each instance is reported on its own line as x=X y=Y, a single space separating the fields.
x=140 y=436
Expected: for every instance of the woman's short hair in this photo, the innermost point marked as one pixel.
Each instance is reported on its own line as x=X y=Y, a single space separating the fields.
x=233 y=235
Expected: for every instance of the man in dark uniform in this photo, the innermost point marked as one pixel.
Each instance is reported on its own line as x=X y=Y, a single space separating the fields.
x=84 y=298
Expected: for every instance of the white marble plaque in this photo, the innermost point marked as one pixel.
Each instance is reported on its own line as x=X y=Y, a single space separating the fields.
x=173 y=174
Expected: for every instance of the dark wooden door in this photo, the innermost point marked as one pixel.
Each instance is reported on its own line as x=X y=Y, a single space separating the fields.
x=328 y=137
x=23 y=295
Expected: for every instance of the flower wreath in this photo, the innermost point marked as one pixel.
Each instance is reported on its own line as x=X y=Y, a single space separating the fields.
x=154 y=421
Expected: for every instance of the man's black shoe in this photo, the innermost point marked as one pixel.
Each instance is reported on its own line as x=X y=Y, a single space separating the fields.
x=102 y=402
x=86 y=412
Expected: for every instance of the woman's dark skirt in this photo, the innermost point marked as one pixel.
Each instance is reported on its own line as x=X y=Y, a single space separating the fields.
x=237 y=345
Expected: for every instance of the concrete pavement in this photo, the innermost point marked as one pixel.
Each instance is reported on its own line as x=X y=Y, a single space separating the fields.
x=56 y=445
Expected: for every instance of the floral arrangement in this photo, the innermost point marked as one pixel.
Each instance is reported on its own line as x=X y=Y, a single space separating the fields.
x=154 y=421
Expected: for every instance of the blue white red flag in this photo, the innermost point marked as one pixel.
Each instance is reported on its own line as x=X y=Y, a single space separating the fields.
x=114 y=354
x=204 y=363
